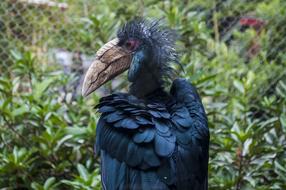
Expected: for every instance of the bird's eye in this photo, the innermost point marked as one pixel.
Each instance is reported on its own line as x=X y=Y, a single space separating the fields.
x=131 y=45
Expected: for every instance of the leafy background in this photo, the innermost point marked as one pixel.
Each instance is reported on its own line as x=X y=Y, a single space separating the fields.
x=47 y=130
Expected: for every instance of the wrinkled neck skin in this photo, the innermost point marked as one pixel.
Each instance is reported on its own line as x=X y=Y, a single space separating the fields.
x=146 y=82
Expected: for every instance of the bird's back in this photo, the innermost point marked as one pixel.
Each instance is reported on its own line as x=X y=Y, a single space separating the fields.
x=160 y=142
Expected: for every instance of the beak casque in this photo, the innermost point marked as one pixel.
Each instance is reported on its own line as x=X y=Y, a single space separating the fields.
x=110 y=61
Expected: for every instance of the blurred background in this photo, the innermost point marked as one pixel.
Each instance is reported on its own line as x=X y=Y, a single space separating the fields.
x=232 y=50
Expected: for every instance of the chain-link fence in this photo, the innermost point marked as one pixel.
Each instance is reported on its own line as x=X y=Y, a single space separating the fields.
x=71 y=31
x=233 y=51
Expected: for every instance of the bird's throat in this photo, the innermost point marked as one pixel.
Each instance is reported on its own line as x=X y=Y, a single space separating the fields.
x=145 y=83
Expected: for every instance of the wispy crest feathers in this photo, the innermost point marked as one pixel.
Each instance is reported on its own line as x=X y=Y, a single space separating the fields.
x=160 y=38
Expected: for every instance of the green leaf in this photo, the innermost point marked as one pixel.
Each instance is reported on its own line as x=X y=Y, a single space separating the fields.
x=16 y=55
x=283 y=122
x=246 y=146
x=49 y=183
x=63 y=140
x=40 y=88
x=82 y=172
x=239 y=86
x=20 y=111
x=76 y=131
x=36 y=186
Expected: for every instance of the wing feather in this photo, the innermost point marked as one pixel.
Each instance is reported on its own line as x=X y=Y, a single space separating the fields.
x=154 y=145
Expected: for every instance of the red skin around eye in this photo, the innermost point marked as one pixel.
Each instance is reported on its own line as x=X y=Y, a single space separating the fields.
x=132 y=44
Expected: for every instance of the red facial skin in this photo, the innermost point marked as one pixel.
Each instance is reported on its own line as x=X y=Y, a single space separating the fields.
x=132 y=44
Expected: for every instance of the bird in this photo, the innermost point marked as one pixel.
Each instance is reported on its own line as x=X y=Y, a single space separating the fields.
x=149 y=137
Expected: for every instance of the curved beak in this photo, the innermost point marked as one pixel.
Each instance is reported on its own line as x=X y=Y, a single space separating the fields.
x=111 y=60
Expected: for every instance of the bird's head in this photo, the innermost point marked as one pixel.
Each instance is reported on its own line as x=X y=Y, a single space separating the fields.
x=143 y=47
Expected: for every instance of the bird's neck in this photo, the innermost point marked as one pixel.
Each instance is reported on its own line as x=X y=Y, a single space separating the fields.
x=146 y=83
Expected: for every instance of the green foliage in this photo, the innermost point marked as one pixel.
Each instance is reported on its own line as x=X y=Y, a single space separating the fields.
x=47 y=134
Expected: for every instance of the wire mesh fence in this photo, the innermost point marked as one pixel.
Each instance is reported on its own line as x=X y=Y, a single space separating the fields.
x=232 y=50
x=68 y=33
x=70 y=30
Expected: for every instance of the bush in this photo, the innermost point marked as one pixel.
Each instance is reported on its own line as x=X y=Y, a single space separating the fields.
x=48 y=132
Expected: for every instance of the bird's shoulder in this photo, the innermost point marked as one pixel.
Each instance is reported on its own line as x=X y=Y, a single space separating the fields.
x=170 y=134
x=161 y=124
x=143 y=122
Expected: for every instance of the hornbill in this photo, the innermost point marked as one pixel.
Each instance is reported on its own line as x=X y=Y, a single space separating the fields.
x=148 y=138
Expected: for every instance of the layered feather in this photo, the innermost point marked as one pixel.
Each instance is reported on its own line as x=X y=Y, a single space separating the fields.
x=159 y=141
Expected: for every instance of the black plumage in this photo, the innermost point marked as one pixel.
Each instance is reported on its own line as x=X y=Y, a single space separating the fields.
x=167 y=140
x=149 y=138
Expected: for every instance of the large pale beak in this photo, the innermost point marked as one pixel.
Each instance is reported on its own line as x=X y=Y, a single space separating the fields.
x=111 y=60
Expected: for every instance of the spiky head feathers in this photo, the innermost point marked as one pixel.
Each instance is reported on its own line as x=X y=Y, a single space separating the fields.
x=158 y=38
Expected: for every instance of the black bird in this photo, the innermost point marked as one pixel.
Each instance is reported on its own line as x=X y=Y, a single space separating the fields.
x=148 y=138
